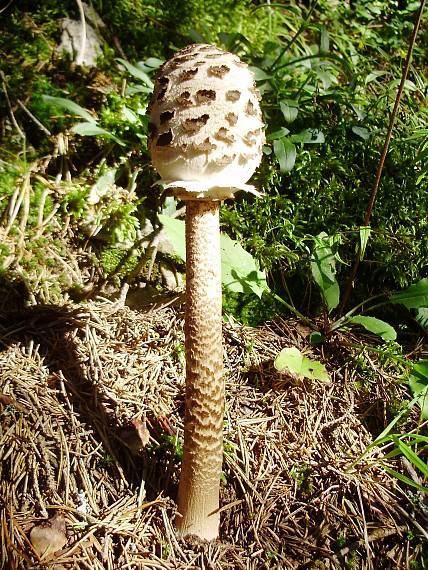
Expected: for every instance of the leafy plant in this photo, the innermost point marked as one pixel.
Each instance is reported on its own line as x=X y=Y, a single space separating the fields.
x=293 y=362
x=323 y=271
x=240 y=273
x=418 y=383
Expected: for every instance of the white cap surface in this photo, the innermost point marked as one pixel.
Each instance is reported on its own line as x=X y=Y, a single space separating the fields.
x=206 y=129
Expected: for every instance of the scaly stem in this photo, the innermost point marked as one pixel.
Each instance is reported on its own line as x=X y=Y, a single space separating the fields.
x=198 y=493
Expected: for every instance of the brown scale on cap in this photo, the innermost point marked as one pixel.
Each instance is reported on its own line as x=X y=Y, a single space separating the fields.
x=256 y=93
x=233 y=95
x=250 y=108
x=218 y=70
x=205 y=96
x=164 y=139
x=161 y=94
x=192 y=126
x=232 y=119
x=205 y=146
x=166 y=116
x=183 y=100
x=188 y=74
x=244 y=158
x=223 y=135
x=179 y=60
x=207 y=48
x=225 y=159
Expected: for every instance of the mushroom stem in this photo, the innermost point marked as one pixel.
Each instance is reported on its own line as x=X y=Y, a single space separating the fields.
x=198 y=493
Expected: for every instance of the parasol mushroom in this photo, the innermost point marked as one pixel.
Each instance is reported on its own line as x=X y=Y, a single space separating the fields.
x=206 y=138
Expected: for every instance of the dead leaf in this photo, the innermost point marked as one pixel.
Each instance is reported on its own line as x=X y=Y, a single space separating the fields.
x=49 y=536
x=135 y=436
x=8 y=401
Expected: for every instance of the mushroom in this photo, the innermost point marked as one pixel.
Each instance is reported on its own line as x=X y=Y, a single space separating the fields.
x=206 y=138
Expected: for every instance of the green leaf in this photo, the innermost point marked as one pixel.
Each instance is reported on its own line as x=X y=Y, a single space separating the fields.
x=153 y=62
x=323 y=268
x=129 y=115
x=238 y=267
x=414 y=459
x=309 y=136
x=376 y=326
x=285 y=152
x=374 y=75
x=365 y=232
x=422 y=317
x=175 y=232
x=418 y=383
x=70 y=106
x=362 y=132
x=259 y=74
x=316 y=338
x=136 y=72
x=324 y=40
x=279 y=134
x=405 y=479
x=289 y=109
x=132 y=89
x=414 y=297
x=408 y=84
x=291 y=360
x=93 y=130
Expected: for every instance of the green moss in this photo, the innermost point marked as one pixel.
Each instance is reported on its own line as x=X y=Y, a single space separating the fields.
x=118 y=261
x=153 y=28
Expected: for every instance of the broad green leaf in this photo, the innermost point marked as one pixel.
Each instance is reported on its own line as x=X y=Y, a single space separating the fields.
x=327 y=78
x=153 y=62
x=323 y=268
x=309 y=136
x=175 y=232
x=136 y=72
x=376 y=326
x=102 y=186
x=289 y=109
x=129 y=115
x=279 y=134
x=259 y=74
x=70 y=106
x=93 y=130
x=238 y=267
x=422 y=317
x=132 y=89
x=324 y=40
x=374 y=75
x=408 y=85
x=362 y=132
x=197 y=37
x=285 y=152
x=316 y=338
x=418 y=383
x=169 y=206
x=297 y=364
x=414 y=297
x=365 y=232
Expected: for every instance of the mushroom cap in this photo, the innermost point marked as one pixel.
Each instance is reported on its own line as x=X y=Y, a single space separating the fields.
x=206 y=129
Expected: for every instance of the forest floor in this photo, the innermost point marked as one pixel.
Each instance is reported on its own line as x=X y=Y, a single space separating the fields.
x=91 y=411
